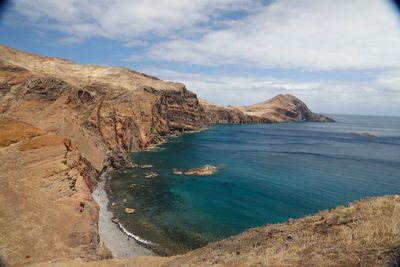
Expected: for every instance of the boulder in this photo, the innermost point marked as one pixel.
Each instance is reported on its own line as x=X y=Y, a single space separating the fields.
x=129 y=210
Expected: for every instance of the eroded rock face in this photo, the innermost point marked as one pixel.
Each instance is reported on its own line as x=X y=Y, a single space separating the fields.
x=47 y=211
x=70 y=122
x=104 y=111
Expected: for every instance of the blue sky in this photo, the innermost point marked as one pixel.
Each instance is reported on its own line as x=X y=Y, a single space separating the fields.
x=338 y=56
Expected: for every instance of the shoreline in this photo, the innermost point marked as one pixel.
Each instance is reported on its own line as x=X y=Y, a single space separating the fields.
x=121 y=244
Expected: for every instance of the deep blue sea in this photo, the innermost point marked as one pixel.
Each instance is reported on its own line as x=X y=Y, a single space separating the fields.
x=271 y=172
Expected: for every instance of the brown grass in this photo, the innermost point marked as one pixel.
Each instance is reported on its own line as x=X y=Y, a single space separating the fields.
x=366 y=233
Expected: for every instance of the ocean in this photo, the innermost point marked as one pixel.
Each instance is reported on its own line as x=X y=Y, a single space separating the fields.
x=268 y=173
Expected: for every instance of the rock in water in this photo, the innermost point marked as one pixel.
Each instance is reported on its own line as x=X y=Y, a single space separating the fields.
x=177 y=172
x=150 y=175
x=146 y=166
x=201 y=171
x=129 y=210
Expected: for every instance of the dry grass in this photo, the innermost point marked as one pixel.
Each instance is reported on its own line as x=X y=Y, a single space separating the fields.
x=366 y=233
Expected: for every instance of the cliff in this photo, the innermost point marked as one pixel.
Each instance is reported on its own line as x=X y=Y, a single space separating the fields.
x=46 y=210
x=103 y=110
x=53 y=111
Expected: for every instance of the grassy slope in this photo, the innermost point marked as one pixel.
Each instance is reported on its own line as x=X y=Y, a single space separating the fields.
x=366 y=233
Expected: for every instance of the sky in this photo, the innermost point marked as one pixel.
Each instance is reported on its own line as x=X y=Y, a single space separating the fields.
x=340 y=57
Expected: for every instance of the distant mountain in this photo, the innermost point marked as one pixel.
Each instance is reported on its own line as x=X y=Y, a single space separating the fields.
x=281 y=108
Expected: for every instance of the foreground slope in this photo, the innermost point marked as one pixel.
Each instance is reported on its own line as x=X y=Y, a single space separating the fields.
x=366 y=233
x=46 y=207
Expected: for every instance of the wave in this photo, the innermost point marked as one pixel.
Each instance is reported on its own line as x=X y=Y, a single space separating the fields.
x=137 y=238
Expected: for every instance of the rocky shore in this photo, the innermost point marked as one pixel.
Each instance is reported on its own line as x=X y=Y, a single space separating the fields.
x=118 y=242
x=63 y=124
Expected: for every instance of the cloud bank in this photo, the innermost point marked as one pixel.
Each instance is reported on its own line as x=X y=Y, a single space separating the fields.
x=285 y=34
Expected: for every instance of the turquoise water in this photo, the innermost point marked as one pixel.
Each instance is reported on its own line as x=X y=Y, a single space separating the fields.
x=272 y=172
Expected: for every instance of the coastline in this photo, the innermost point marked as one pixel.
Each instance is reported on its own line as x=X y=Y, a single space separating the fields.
x=121 y=242
x=121 y=245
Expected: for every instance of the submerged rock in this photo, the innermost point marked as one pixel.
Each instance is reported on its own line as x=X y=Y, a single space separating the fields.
x=177 y=172
x=125 y=200
x=150 y=175
x=365 y=134
x=146 y=166
x=368 y=135
x=129 y=210
x=200 y=171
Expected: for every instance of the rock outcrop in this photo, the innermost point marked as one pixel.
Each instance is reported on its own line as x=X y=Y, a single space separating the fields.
x=200 y=171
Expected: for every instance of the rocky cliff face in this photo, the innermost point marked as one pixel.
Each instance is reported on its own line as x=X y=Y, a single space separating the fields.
x=103 y=113
x=102 y=110
x=47 y=210
x=65 y=123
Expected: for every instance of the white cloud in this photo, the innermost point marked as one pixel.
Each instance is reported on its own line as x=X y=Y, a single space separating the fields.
x=309 y=34
x=380 y=96
x=125 y=19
